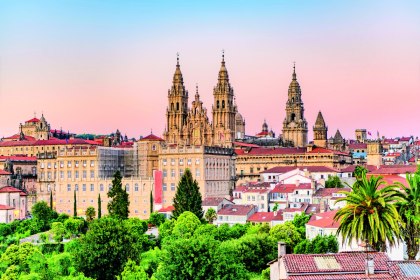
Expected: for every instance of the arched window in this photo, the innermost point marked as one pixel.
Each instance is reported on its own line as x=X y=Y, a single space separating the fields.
x=172 y=106
x=218 y=104
x=177 y=106
x=127 y=187
x=293 y=99
x=293 y=117
x=223 y=104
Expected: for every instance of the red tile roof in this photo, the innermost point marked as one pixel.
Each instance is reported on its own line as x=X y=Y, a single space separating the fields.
x=9 y=189
x=152 y=137
x=394 y=169
x=18 y=158
x=22 y=194
x=261 y=217
x=290 y=188
x=324 y=220
x=357 y=146
x=326 y=151
x=242 y=144
x=315 y=168
x=270 y=151
x=326 y=192
x=303 y=207
x=32 y=120
x=17 y=136
x=167 y=209
x=212 y=201
x=351 y=262
x=76 y=141
x=399 y=269
x=3 y=172
x=6 y=207
x=391 y=180
x=236 y=210
x=347 y=276
x=351 y=168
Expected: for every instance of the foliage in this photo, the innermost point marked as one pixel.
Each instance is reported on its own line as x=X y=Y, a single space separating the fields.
x=211 y=215
x=300 y=221
x=359 y=171
x=256 y=250
x=187 y=197
x=409 y=210
x=73 y=226
x=150 y=260
x=43 y=213
x=118 y=205
x=58 y=231
x=186 y=224
x=156 y=219
x=287 y=233
x=318 y=245
x=99 y=206
x=165 y=229
x=333 y=182
x=276 y=207
x=370 y=214
x=132 y=272
x=90 y=213
x=106 y=247
x=18 y=255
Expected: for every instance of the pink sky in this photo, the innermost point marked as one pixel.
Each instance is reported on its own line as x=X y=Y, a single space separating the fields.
x=95 y=68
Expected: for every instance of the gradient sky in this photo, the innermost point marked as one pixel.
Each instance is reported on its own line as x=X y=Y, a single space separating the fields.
x=95 y=66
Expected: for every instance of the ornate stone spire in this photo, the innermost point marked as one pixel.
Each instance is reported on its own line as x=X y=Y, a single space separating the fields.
x=178 y=79
x=197 y=95
x=319 y=120
x=223 y=73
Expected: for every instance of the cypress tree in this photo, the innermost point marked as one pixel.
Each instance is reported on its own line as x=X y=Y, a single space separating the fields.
x=188 y=196
x=118 y=205
x=51 y=200
x=99 y=206
x=75 y=205
x=151 y=202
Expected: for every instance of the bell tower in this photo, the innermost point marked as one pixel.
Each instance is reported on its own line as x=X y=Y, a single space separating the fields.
x=320 y=131
x=295 y=126
x=224 y=109
x=177 y=110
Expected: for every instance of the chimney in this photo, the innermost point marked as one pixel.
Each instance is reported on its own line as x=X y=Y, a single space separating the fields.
x=370 y=266
x=281 y=249
x=297 y=182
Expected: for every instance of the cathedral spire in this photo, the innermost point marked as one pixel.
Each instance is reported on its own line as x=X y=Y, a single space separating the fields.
x=294 y=71
x=197 y=95
x=178 y=79
x=223 y=73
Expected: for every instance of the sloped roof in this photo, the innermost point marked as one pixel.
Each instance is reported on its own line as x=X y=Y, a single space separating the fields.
x=6 y=207
x=212 y=201
x=4 y=172
x=325 y=192
x=394 y=169
x=285 y=169
x=236 y=210
x=324 y=220
x=261 y=217
x=151 y=137
x=319 y=120
x=9 y=189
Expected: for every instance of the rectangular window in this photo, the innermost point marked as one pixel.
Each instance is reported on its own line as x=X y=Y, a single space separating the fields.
x=181 y=161
x=262 y=197
x=42 y=165
x=49 y=165
x=84 y=174
x=173 y=173
x=61 y=163
x=172 y=186
x=181 y=172
x=101 y=187
x=68 y=187
x=92 y=163
x=92 y=188
x=61 y=174
x=197 y=161
x=84 y=187
x=172 y=161
x=164 y=173
x=197 y=173
x=49 y=175
x=76 y=163
x=92 y=174
x=69 y=163
x=84 y=163
x=164 y=187
x=68 y=174
x=76 y=174
x=136 y=188
x=164 y=162
x=76 y=187
x=189 y=161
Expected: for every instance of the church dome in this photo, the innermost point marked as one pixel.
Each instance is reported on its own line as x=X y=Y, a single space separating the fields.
x=238 y=117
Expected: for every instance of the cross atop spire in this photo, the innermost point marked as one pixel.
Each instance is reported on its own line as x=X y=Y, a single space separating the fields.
x=223 y=55
x=177 y=59
x=197 y=96
x=294 y=70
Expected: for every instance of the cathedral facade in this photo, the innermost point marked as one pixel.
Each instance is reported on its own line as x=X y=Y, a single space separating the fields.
x=191 y=125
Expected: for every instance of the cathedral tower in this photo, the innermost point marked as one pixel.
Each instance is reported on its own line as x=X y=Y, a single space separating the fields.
x=177 y=110
x=320 y=131
x=295 y=126
x=224 y=110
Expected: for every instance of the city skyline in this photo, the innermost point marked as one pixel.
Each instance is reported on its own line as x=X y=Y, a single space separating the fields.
x=96 y=67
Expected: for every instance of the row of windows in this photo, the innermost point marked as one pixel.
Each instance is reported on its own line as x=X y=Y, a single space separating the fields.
x=181 y=161
x=101 y=187
x=181 y=173
x=165 y=188
x=50 y=175
x=70 y=163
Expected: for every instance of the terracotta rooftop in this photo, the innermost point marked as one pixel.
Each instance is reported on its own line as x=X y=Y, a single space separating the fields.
x=151 y=137
x=9 y=189
x=242 y=144
x=212 y=201
x=32 y=120
x=324 y=220
x=261 y=217
x=76 y=141
x=315 y=168
x=325 y=192
x=167 y=209
x=17 y=136
x=290 y=188
x=351 y=168
x=270 y=151
x=6 y=207
x=18 y=158
x=354 y=146
x=394 y=169
x=3 y=172
x=236 y=210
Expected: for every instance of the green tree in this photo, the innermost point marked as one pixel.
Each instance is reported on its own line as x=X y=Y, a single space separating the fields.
x=370 y=214
x=106 y=247
x=276 y=207
x=99 y=206
x=132 y=272
x=18 y=255
x=287 y=233
x=118 y=205
x=73 y=226
x=156 y=219
x=187 y=197
x=409 y=210
x=90 y=213
x=358 y=171
x=211 y=215
x=300 y=221
x=186 y=224
x=74 y=204
x=151 y=202
x=58 y=231
x=333 y=182
x=43 y=214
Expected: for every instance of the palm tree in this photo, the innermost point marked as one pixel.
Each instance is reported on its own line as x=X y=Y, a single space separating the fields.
x=211 y=215
x=370 y=214
x=409 y=209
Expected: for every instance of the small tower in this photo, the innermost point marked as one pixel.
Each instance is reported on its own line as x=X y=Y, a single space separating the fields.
x=374 y=153
x=295 y=126
x=177 y=110
x=320 y=131
x=361 y=135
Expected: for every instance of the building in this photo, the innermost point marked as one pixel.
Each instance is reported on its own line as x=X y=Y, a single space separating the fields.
x=234 y=214
x=216 y=203
x=253 y=193
x=13 y=204
x=295 y=126
x=314 y=172
x=360 y=135
x=212 y=167
x=191 y=126
x=329 y=196
x=269 y=218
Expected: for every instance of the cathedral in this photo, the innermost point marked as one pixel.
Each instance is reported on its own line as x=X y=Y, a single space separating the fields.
x=191 y=125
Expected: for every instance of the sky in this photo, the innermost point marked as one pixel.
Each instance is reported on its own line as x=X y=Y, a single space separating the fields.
x=95 y=66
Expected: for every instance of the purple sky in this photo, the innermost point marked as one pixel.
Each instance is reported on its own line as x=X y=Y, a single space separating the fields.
x=95 y=66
